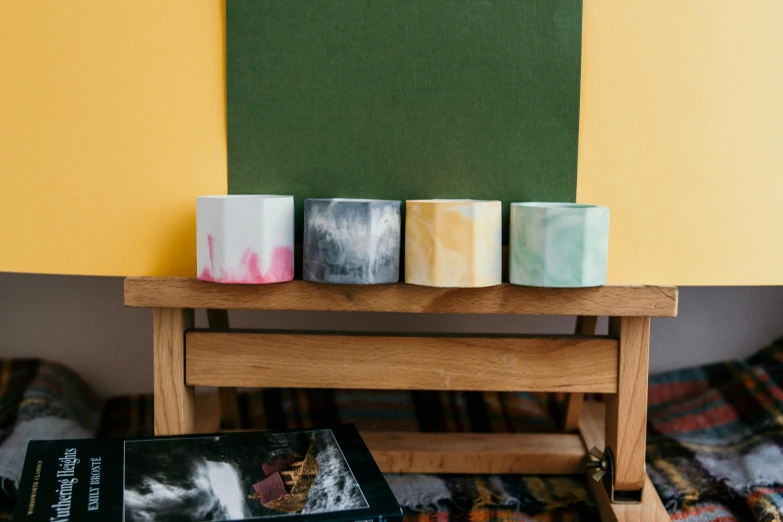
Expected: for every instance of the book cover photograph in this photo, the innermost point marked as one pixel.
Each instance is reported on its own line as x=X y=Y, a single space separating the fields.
x=318 y=474
x=211 y=478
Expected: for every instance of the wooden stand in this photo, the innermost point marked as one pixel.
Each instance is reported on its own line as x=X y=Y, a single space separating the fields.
x=615 y=365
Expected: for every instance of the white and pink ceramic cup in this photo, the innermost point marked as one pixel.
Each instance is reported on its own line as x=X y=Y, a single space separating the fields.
x=245 y=239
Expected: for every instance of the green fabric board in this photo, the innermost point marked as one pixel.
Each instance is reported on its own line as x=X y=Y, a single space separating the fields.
x=404 y=99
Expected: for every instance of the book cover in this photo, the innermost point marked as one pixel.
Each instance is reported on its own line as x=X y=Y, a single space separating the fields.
x=319 y=474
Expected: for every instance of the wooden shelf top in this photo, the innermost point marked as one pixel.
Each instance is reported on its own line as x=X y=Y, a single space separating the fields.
x=178 y=292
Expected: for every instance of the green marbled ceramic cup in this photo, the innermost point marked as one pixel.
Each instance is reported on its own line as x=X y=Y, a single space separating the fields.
x=562 y=245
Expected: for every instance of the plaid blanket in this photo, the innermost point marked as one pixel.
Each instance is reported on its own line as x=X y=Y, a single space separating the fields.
x=39 y=400
x=714 y=452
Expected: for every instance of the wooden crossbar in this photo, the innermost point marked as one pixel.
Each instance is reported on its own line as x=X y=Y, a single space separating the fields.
x=534 y=453
x=301 y=360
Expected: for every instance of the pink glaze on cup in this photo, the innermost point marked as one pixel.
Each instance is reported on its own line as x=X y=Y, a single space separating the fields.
x=249 y=270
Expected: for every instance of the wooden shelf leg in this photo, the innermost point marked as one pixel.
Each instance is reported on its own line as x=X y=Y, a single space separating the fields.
x=585 y=325
x=173 y=399
x=626 y=411
x=649 y=510
x=229 y=409
x=229 y=397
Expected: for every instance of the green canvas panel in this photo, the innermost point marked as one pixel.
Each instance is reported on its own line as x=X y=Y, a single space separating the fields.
x=404 y=99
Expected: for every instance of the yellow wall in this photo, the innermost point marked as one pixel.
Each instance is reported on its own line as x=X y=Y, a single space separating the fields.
x=682 y=136
x=112 y=121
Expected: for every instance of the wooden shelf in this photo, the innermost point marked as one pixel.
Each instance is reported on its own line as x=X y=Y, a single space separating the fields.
x=615 y=364
x=629 y=301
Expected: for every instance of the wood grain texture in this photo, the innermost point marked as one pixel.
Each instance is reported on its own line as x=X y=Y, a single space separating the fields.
x=207 y=412
x=173 y=400
x=174 y=292
x=592 y=425
x=626 y=411
x=385 y=362
x=476 y=453
x=229 y=408
x=651 y=509
x=573 y=411
x=585 y=325
x=229 y=398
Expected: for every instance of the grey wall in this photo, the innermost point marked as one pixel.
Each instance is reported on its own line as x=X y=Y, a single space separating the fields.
x=81 y=322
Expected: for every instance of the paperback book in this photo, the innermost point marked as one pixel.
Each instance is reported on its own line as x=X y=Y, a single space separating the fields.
x=319 y=474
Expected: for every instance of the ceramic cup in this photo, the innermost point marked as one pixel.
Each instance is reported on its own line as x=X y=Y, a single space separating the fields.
x=453 y=243
x=245 y=239
x=563 y=245
x=351 y=241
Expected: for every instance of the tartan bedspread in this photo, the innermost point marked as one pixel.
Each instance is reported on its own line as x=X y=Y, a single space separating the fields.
x=714 y=446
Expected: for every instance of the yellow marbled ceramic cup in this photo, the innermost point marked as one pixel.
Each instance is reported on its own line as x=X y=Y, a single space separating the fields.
x=453 y=243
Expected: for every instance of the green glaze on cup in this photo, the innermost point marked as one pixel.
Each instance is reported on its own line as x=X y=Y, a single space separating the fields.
x=562 y=245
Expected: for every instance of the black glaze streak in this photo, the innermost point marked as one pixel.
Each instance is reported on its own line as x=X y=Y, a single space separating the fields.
x=342 y=245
